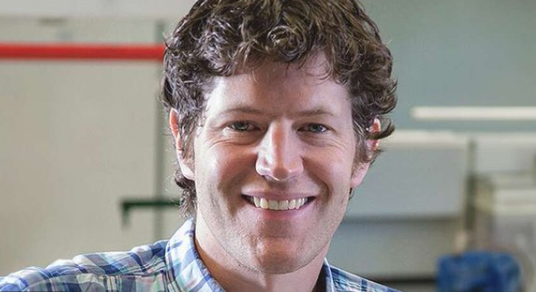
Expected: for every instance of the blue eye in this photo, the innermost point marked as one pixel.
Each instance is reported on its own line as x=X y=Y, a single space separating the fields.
x=315 y=128
x=241 y=126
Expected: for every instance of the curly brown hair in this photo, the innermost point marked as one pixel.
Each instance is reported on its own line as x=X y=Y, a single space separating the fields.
x=223 y=37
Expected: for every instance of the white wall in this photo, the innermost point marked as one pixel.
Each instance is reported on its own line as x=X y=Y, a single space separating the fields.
x=75 y=139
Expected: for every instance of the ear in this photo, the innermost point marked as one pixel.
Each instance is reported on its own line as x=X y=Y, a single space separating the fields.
x=376 y=127
x=361 y=170
x=185 y=163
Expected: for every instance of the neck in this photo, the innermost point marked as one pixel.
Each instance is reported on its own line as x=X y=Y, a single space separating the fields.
x=234 y=276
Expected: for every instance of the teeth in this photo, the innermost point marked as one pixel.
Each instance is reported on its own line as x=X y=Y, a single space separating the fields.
x=283 y=205
x=292 y=204
x=278 y=205
x=273 y=205
x=263 y=204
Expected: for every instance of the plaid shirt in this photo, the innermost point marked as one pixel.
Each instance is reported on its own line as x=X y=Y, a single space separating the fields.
x=172 y=265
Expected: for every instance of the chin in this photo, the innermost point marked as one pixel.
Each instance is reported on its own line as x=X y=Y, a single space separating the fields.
x=281 y=263
x=278 y=267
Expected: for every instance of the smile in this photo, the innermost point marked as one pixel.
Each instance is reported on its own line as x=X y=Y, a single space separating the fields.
x=282 y=205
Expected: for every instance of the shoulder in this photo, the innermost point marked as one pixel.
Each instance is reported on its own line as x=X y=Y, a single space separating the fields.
x=347 y=282
x=90 y=272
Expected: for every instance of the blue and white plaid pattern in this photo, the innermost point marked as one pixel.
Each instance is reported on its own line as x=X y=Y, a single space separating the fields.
x=172 y=265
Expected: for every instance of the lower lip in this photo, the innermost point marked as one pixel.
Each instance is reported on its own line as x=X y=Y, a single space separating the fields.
x=280 y=214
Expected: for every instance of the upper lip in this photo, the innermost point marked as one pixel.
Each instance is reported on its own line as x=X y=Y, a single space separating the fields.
x=278 y=196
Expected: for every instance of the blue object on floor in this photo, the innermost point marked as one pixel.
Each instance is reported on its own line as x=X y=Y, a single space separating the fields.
x=479 y=271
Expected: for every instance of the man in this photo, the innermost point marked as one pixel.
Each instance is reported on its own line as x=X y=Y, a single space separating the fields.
x=276 y=108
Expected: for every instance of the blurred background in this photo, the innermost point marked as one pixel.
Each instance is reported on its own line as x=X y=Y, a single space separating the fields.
x=86 y=161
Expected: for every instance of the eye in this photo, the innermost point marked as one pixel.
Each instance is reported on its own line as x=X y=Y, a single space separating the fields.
x=315 y=128
x=241 y=126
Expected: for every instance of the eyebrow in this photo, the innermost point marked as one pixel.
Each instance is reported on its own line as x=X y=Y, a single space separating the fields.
x=316 y=112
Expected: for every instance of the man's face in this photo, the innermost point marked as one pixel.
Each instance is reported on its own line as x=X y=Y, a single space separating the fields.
x=280 y=137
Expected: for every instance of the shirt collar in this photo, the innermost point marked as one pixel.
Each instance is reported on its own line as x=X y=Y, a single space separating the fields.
x=328 y=277
x=186 y=270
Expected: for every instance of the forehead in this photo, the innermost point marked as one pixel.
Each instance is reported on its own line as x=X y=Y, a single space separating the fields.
x=281 y=88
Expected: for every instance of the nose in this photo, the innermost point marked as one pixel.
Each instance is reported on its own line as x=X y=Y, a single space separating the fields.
x=279 y=155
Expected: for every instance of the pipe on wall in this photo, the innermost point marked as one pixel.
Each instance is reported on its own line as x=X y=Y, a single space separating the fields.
x=80 y=52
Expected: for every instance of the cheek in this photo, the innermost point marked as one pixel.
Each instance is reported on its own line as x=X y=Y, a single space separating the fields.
x=335 y=166
x=223 y=167
x=335 y=176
